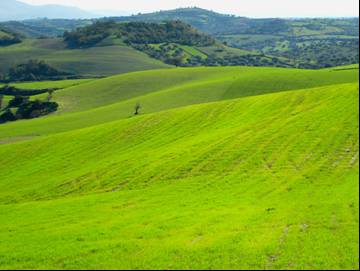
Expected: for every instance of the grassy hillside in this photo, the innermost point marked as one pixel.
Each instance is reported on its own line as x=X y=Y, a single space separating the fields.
x=50 y=84
x=97 y=61
x=43 y=85
x=261 y=182
x=209 y=84
x=113 y=98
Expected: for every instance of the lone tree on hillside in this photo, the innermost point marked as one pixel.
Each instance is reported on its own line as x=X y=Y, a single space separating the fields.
x=50 y=95
x=137 y=109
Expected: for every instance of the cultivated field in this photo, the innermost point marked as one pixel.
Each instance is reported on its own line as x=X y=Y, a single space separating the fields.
x=224 y=168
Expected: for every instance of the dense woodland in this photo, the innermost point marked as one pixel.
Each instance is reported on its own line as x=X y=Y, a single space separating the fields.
x=137 y=33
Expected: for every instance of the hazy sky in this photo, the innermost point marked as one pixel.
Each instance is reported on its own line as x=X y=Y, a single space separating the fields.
x=250 y=8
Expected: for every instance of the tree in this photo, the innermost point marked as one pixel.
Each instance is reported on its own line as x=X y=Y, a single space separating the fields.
x=137 y=109
x=50 y=95
x=176 y=61
x=18 y=100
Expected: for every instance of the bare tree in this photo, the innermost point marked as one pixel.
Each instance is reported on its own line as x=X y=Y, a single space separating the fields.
x=137 y=109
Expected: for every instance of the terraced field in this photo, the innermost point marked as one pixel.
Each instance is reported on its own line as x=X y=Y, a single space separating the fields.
x=225 y=168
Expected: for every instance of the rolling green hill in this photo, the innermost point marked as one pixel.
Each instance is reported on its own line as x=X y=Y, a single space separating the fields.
x=97 y=61
x=205 y=84
x=260 y=182
x=50 y=84
x=113 y=98
x=30 y=86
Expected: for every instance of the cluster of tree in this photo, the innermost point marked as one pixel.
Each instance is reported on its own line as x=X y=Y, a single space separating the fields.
x=21 y=107
x=174 y=55
x=244 y=60
x=303 y=52
x=136 y=33
x=323 y=53
x=170 y=54
x=7 y=38
x=35 y=70
x=13 y=91
x=88 y=36
x=171 y=32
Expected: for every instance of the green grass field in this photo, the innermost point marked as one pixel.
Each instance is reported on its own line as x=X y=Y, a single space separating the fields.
x=50 y=84
x=225 y=168
x=113 y=98
x=96 y=61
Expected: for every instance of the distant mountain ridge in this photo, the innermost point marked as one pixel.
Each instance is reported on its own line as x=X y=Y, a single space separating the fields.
x=16 y=10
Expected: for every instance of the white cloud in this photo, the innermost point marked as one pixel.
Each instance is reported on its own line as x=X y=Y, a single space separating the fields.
x=250 y=8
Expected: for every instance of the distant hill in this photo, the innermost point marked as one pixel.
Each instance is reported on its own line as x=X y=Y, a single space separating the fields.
x=173 y=42
x=37 y=28
x=16 y=10
x=307 y=43
x=221 y=24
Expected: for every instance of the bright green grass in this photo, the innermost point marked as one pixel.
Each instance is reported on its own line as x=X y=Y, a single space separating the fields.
x=5 y=101
x=104 y=60
x=50 y=84
x=209 y=84
x=114 y=98
x=262 y=182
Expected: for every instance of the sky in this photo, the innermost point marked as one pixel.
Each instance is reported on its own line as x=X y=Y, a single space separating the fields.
x=248 y=8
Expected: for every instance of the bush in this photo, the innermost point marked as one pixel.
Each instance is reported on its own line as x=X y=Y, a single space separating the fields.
x=7 y=116
x=34 y=70
x=18 y=101
x=21 y=108
x=35 y=109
